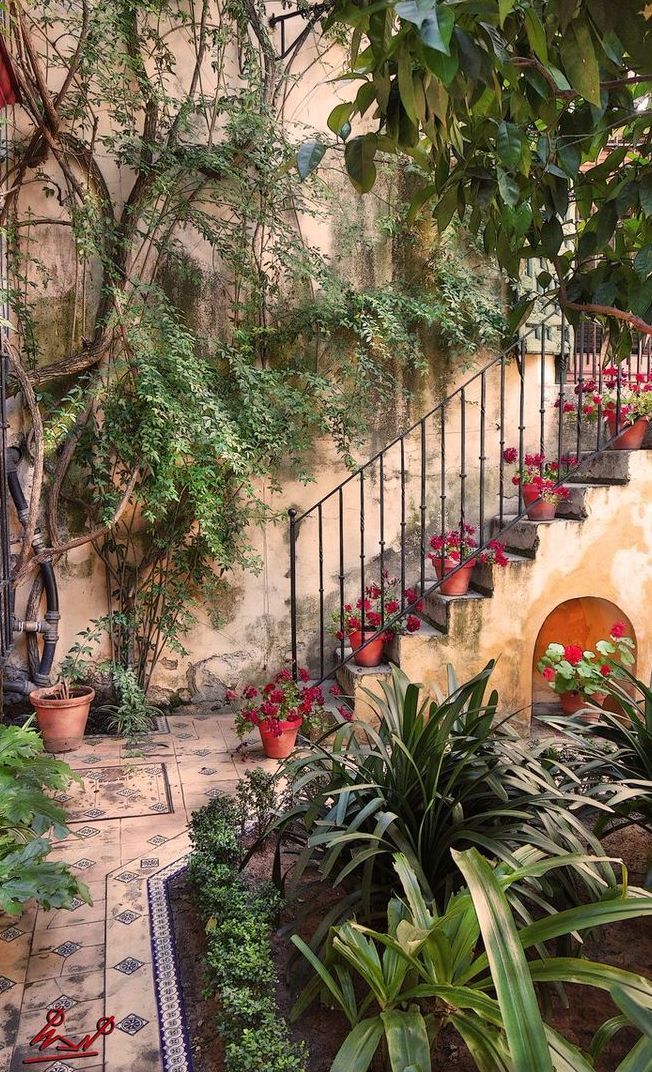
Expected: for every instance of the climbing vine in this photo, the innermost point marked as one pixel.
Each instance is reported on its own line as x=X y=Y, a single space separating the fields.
x=152 y=139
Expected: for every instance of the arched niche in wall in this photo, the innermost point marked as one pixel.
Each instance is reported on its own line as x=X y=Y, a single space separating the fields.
x=583 y=620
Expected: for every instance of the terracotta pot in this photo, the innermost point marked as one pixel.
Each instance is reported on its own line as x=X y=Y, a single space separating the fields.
x=572 y=702
x=458 y=584
x=631 y=437
x=372 y=654
x=62 y=722
x=280 y=746
x=541 y=511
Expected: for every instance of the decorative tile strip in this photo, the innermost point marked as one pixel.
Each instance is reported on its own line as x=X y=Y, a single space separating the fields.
x=175 y=1046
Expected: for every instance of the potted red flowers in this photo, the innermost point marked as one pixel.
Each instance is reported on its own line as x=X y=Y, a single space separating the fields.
x=280 y=709
x=537 y=479
x=578 y=676
x=624 y=402
x=451 y=548
x=381 y=602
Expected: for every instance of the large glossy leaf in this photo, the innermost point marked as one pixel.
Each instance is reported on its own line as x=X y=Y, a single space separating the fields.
x=524 y=1028
x=580 y=61
x=309 y=157
x=359 y=156
x=357 y=1051
x=407 y=1040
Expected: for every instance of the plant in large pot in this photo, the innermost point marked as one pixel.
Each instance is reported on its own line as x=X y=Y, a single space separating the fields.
x=279 y=710
x=370 y=622
x=62 y=709
x=451 y=549
x=578 y=676
x=622 y=401
x=538 y=479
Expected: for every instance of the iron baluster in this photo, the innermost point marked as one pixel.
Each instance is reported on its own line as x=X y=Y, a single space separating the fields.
x=422 y=508
x=292 y=514
x=462 y=468
x=483 y=414
x=521 y=422
x=362 y=556
x=501 y=463
x=382 y=539
x=442 y=496
x=562 y=391
x=341 y=573
x=321 y=588
x=403 y=523
x=580 y=393
x=542 y=396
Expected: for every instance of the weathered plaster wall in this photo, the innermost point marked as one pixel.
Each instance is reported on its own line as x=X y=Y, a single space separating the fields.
x=609 y=555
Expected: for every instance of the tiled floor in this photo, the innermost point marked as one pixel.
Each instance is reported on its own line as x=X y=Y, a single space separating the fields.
x=129 y=823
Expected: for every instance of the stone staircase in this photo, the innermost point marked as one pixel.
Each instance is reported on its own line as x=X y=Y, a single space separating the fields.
x=580 y=553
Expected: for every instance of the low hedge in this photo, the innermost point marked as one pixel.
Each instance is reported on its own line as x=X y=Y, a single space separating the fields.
x=239 y=963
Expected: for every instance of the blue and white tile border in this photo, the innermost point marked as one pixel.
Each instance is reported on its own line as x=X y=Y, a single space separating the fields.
x=176 y=1055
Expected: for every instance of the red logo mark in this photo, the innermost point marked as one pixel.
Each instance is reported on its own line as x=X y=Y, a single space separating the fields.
x=47 y=1036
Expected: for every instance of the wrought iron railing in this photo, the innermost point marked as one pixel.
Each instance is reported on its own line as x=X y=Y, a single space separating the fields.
x=445 y=471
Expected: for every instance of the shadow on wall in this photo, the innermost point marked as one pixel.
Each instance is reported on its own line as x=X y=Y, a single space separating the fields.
x=580 y=621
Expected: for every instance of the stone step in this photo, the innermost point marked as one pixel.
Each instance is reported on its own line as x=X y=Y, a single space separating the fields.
x=453 y=615
x=523 y=537
x=608 y=467
x=354 y=679
x=576 y=507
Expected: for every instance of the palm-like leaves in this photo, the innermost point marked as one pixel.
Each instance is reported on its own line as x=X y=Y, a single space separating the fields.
x=434 y=777
x=427 y=969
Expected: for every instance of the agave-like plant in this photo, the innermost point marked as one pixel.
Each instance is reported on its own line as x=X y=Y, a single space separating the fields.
x=435 y=776
x=467 y=967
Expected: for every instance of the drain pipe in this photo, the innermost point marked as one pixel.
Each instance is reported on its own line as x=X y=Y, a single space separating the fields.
x=48 y=626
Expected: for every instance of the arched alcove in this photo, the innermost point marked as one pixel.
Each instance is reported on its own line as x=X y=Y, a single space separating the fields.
x=582 y=621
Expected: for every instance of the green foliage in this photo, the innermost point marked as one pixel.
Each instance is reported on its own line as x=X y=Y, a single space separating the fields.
x=468 y=967
x=238 y=961
x=433 y=777
x=26 y=815
x=515 y=112
x=256 y=797
x=132 y=714
x=196 y=408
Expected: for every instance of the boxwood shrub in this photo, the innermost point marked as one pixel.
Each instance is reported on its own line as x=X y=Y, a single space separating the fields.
x=239 y=965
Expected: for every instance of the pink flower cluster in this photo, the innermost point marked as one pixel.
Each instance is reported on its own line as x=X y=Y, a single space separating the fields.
x=280 y=700
x=619 y=393
x=380 y=603
x=455 y=545
x=540 y=474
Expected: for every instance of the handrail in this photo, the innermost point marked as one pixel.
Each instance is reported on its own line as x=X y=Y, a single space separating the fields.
x=539 y=421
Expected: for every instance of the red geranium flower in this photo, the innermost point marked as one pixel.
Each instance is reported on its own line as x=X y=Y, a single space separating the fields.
x=549 y=673
x=573 y=654
x=605 y=670
x=413 y=624
x=618 y=629
x=249 y=692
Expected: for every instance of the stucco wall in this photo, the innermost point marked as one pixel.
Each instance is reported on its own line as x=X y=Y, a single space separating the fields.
x=609 y=554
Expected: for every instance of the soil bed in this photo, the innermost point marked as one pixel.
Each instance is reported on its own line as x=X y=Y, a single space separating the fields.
x=626 y=945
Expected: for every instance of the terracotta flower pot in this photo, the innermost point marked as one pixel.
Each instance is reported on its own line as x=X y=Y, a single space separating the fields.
x=572 y=702
x=541 y=511
x=631 y=437
x=62 y=722
x=458 y=584
x=280 y=745
x=372 y=654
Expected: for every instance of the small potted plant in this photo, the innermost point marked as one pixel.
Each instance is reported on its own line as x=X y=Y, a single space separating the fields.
x=451 y=548
x=578 y=676
x=280 y=709
x=624 y=402
x=62 y=709
x=538 y=481
x=381 y=603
